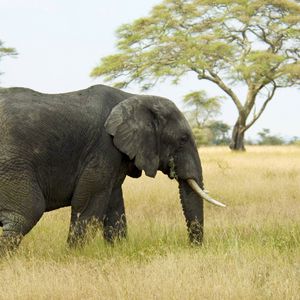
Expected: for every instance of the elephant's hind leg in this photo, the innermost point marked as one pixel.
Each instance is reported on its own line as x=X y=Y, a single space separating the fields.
x=19 y=215
x=15 y=226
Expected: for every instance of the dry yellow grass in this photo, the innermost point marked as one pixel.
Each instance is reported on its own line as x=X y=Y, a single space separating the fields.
x=251 y=250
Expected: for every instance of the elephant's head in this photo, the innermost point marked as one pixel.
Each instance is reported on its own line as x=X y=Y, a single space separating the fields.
x=155 y=135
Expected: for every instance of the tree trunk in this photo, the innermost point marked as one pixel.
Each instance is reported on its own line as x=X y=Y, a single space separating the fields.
x=238 y=132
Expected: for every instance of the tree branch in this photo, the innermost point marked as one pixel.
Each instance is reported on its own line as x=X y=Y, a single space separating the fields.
x=269 y=97
x=217 y=80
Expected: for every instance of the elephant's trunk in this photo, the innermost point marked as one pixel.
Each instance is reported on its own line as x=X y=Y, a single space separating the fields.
x=188 y=171
x=193 y=211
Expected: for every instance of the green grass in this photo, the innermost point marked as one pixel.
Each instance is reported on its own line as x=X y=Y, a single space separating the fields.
x=251 y=248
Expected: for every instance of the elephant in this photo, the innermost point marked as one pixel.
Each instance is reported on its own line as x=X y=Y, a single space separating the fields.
x=75 y=149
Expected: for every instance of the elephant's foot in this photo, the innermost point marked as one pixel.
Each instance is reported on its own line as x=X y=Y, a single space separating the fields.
x=115 y=229
x=14 y=227
x=9 y=243
x=82 y=231
x=75 y=241
x=77 y=235
x=111 y=234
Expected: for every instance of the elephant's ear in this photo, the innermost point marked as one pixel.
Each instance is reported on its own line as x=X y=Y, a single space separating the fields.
x=135 y=132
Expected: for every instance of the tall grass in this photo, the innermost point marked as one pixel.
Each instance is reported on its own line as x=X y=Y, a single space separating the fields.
x=251 y=249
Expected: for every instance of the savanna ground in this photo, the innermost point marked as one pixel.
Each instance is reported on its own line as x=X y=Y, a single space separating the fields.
x=251 y=249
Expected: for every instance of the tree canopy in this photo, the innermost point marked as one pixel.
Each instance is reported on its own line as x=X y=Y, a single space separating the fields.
x=251 y=42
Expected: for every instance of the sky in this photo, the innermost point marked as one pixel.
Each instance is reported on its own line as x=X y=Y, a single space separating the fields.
x=60 y=42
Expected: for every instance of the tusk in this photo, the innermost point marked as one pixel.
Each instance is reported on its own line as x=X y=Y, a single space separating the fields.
x=196 y=188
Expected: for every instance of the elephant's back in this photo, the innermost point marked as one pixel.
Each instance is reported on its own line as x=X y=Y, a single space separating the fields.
x=22 y=109
x=29 y=117
x=34 y=123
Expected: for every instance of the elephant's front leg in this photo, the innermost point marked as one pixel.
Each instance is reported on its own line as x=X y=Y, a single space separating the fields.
x=86 y=218
x=115 y=226
x=78 y=229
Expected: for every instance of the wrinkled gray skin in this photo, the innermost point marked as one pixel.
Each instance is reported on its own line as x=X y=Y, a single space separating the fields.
x=75 y=149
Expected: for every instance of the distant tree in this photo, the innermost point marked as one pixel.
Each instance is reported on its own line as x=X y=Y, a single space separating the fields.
x=250 y=141
x=220 y=132
x=5 y=51
x=295 y=141
x=201 y=112
x=251 y=42
x=202 y=107
x=267 y=139
x=214 y=133
x=202 y=136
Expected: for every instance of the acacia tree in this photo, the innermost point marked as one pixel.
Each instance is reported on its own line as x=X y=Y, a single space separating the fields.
x=201 y=108
x=251 y=42
x=200 y=112
x=6 y=51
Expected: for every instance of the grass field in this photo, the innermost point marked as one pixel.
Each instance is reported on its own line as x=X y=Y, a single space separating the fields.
x=251 y=249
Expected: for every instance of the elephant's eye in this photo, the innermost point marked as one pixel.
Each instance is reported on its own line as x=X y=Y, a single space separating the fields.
x=183 y=139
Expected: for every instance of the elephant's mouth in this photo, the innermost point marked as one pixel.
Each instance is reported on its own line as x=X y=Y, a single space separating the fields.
x=172 y=169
